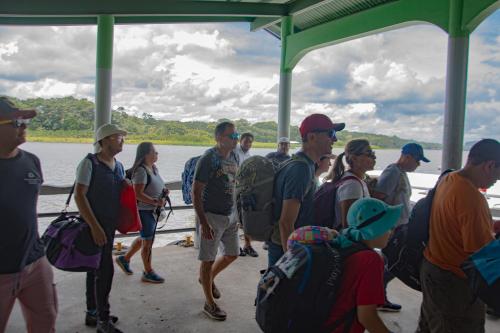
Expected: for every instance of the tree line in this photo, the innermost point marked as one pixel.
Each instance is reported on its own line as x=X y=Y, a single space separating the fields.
x=69 y=117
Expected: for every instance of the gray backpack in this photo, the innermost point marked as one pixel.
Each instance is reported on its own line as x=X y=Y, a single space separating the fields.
x=254 y=195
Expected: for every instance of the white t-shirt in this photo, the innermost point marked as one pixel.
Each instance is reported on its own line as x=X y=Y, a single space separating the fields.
x=241 y=154
x=350 y=189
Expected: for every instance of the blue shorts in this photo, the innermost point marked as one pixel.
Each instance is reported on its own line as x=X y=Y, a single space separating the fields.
x=148 y=224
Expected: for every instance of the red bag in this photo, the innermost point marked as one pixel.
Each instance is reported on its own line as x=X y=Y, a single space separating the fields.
x=129 y=220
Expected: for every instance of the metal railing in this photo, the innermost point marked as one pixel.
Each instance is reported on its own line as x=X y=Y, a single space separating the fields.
x=176 y=186
x=58 y=190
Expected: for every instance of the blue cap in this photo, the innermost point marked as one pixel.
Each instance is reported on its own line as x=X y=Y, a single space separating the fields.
x=415 y=150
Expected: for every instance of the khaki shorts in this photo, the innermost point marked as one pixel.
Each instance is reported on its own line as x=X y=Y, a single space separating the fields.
x=225 y=231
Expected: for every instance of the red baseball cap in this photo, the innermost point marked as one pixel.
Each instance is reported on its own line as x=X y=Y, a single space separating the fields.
x=318 y=122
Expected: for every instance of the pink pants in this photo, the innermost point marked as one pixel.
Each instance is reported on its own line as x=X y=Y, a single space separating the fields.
x=35 y=289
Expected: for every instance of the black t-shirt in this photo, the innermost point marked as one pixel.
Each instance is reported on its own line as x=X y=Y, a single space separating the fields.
x=219 y=176
x=20 y=182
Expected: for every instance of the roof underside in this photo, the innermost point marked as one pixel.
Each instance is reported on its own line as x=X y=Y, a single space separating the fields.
x=261 y=13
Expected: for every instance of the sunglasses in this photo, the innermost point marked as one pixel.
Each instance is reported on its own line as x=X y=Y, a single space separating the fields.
x=16 y=122
x=369 y=153
x=234 y=136
x=332 y=134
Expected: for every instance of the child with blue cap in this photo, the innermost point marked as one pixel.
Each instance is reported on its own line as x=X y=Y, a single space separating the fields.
x=370 y=222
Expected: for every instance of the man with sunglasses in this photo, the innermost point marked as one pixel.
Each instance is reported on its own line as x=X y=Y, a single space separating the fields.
x=295 y=184
x=213 y=201
x=393 y=187
x=25 y=273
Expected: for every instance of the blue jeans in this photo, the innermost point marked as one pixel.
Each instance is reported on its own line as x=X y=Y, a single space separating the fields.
x=274 y=252
x=148 y=222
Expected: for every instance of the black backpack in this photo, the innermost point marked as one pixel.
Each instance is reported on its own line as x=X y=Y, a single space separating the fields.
x=405 y=250
x=324 y=203
x=298 y=292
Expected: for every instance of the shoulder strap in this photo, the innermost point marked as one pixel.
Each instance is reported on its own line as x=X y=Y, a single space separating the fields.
x=148 y=176
x=343 y=180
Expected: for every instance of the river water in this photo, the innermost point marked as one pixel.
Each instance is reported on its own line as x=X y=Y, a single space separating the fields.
x=59 y=161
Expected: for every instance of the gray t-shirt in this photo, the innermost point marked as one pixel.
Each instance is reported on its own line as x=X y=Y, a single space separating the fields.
x=394 y=183
x=20 y=182
x=153 y=189
x=348 y=190
x=219 y=176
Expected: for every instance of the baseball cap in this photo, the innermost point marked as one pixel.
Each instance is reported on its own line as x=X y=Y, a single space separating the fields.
x=106 y=130
x=369 y=218
x=415 y=150
x=8 y=110
x=283 y=139
x=318 y=122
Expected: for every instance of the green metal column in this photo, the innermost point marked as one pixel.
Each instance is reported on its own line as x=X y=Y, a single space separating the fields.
x=285 y=91
x=456 y=89
x=104 y=64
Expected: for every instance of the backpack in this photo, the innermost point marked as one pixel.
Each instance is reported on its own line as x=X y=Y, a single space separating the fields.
x=483 y=273
x=129 y=175
x=187 y=178
x=299 y=291
x=405 y=250
x=324 y=203
x=69 y=245
x=255 y=195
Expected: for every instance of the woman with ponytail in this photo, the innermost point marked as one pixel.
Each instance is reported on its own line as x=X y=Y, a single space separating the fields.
x=359 y=158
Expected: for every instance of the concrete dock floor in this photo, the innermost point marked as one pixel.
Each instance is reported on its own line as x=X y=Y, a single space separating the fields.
x=176 y=305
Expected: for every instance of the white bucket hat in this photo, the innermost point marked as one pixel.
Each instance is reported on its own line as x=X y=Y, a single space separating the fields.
x=106 y=130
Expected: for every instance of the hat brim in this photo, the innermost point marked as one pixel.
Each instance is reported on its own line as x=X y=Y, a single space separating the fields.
x=384 y=224
x=19 y=114
x=119 y=131
x=338 y=127
x=425 y=159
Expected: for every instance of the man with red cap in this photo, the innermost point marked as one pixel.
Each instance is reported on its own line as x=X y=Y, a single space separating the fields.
x=295 y=184
x=25 y=273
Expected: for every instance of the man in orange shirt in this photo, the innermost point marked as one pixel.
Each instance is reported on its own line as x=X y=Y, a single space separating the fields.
x=460 y=225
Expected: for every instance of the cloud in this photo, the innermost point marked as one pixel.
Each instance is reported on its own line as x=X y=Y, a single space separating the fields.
x=391 y=83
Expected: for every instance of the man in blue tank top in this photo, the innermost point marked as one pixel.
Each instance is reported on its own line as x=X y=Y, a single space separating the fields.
x=99 y=180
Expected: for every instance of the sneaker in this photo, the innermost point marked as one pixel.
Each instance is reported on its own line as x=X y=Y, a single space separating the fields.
x=152 y=277
x=213 y=311
x=124 y=265
x=107 y=327
x=242 y=252
x=91 y=318
x=251 y=252
x=265 y=246
x=215 y=290
x=389 y=307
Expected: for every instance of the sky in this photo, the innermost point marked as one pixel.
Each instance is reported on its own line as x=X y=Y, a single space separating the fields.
x=391 y=83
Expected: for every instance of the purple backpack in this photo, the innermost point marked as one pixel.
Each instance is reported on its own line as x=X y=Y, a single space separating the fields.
x=324 y=203
x=69 y=245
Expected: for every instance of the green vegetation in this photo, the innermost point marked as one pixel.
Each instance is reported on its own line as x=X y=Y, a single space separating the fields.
x=71 y=120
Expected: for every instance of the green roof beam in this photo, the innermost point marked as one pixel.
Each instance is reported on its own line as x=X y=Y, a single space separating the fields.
x=378 y=19
x=92 y=20
x=264 y=22
x=476 y=11
x=143 y=7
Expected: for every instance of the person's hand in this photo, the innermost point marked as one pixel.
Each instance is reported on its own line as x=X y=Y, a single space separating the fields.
x=98 y=235
x=207 y=232
x=160 y=202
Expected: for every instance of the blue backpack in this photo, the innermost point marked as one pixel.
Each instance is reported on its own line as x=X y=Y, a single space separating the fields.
x=188 y=178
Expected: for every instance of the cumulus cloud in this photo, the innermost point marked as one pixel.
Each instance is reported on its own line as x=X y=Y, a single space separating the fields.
x=391 y=83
